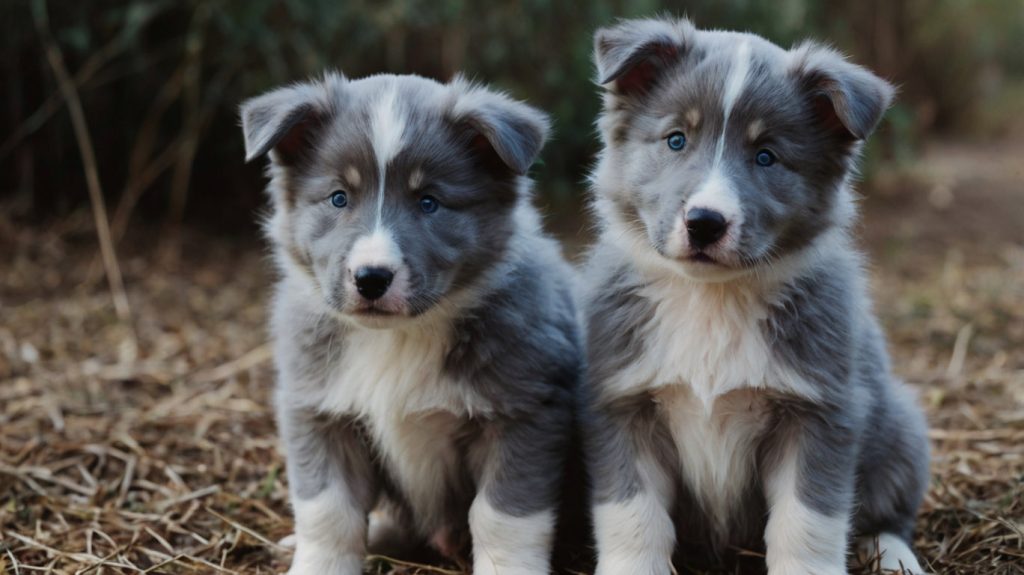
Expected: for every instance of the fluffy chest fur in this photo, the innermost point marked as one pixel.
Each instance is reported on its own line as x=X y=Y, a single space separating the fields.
x=392 y=374
x=395 y=382
x=708 y=338
x=717 y=449
x=708 y=363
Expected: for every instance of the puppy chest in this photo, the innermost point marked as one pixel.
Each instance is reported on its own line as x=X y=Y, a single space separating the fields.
x=711 y=342
x=414 y=413
x=709 y=339
x=383 y=373
x=717 y=449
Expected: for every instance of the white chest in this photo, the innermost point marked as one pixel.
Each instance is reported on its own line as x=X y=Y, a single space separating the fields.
x=717 y=449
x=389 y=373
x=395 y=382
x=710 y=339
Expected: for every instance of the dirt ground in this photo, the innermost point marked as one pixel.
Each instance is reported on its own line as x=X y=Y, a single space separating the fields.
x=152 y=449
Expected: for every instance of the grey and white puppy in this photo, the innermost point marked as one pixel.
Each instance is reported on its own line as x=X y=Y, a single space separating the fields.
x=426 y=340
x=739 y=387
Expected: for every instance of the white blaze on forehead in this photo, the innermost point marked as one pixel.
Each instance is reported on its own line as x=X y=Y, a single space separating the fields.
x=377 y=249
x=387 y=130
x=734 y=84
x=717 y=193
x=387 y=125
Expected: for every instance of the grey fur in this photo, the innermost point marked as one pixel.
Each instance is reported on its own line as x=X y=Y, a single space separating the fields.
x=482 y=277
x=859 y=437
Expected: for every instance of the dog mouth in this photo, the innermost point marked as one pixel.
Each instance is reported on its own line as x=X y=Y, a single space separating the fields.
x=701 y=257
x=373 y=309
x=706 y=258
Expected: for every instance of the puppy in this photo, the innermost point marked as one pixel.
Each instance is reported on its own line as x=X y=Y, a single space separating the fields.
x=739 y=393
x=426 y=340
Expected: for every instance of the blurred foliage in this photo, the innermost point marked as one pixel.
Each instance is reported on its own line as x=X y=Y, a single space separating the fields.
x=161 y=79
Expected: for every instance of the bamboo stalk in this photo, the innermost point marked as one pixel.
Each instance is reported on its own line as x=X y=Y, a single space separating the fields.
x=84 y=140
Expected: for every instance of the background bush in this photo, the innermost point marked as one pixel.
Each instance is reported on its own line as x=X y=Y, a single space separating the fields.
x=160 y=80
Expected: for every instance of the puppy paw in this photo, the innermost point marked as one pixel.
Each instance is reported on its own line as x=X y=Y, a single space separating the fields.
x=799 y=567
x=324 y=562
x=638 y=565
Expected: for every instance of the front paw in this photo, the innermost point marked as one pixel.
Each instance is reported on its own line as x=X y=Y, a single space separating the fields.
x=318 y=561
x=803 y=567
x=633 y=564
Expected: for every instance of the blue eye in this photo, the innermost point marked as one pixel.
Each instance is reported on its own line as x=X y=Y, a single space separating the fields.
x=765 y=158
x=339 y=199
x=429 y=204
x=676 y=141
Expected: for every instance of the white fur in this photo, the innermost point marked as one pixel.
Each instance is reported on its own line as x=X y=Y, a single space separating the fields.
x=734 y=84
x=508 y=545
x=675 y=244
x=387 y=129
x=889 y=553
x=393 y=379
x=634 y=536
x=330 y=535
x=709 y=338
x=717 y=448
x=376 y=249
x=798 y=539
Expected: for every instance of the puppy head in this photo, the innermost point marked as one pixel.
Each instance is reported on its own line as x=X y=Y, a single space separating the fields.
x=724 y=152
x=392 y=194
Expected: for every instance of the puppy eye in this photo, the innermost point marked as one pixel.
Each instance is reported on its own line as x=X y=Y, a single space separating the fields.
x=339 y=199
x=765 y=158
x=676 y=141
x=429 y=204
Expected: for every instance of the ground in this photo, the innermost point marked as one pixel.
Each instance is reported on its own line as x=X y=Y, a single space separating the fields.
x=152 y=449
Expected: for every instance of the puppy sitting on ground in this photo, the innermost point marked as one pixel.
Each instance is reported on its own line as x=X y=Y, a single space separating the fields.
x=739 y=388
x=426 y=339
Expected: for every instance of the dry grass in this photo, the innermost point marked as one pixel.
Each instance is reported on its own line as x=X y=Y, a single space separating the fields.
x=156 y=453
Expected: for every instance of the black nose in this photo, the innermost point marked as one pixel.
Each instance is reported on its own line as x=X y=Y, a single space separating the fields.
x=704 y=227
x=372 y=283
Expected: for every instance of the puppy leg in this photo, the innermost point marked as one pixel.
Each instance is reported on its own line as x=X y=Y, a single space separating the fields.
x=888 y=552
x=512 y=519
x=809 y=487
x=331 y=483
x=892 y=479
x=632 y=493
x=389 y=531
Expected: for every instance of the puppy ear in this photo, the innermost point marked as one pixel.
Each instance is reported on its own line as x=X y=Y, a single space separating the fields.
x=631 y=55
x=285 y=120
x=510 y=131
x=848 y=99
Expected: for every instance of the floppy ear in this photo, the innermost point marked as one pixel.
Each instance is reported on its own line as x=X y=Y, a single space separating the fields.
x=285 y=120
x=506 y=129
x=848 y=99
x=631 y=55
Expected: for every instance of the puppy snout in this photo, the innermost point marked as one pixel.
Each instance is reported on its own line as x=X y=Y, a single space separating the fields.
x=705 y=227
x=372 y=282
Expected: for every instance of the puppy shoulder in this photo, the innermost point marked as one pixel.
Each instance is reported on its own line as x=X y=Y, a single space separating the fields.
x=818 y=320
x=306 y=339
x=524 y=336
